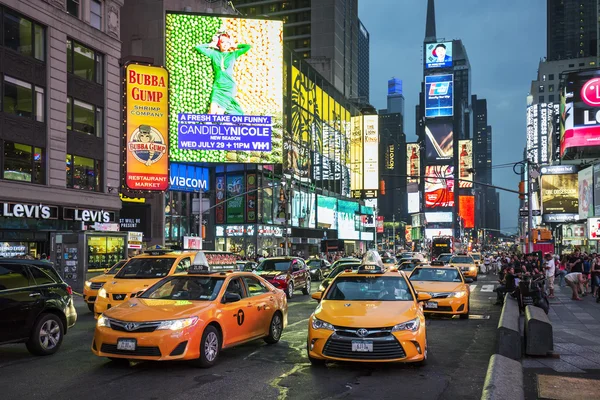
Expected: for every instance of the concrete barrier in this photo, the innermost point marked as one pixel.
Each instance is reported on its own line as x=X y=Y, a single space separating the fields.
x=504 y=380
x=508 y=333
x=539 y=339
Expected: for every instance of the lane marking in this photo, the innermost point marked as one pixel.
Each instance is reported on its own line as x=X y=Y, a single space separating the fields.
x=472 y=287
x=487 y=288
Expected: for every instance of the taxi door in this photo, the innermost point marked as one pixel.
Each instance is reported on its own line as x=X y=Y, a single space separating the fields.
x=236 y=317
x=263 y=303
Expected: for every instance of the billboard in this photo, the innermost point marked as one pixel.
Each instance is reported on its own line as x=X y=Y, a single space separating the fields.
x=586 y=193
x=439 y=95
x=593 y=228
x=371 y=152
x=414 y=203
x=346 y=215
x=390 y=157
x=226 y=88
x=413 y=162
x=439 y=137
x=326 y=212
x=188 y=178
x=236 y=206
x=465 y=163
x=580 y=110
x=596 y=196
x=379 y=224
x=466 y=210
x=560 y=194
x=438 y=55
x=431 y=233
x=573 y=232
x=439 y=186
x=146 y=130
x=435 y=217
x=356 y=153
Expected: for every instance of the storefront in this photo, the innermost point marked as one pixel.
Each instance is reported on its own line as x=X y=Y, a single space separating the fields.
x=250 y=240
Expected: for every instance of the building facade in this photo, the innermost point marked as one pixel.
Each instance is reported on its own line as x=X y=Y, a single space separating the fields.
x=364 y=60
x=60 y=122
x=572 y=29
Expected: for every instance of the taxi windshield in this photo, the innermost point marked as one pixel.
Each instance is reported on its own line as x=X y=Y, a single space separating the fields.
x=274 y=265
x=476 y=257
x=462 y=260
x=194 y=288
x=445 y=257
x=369 y=288
x=146 y=268
x=388 y=260
x=342 y=267
x=115 y=268
x=435 y=275
x=314 y=263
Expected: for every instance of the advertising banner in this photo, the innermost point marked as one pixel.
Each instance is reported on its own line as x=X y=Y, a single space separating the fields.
x=593 y=225
x=465 y=163
x=434 y=217
x=560 y=194
x=356 y=153
x=227 y=88
x=235 y=207
x=346 y=216
x=220 y=194
x=413 y=162
x=371 y=152
x=379 y=224
x=580 y=111
x=251 y=198
x=439 y=186
x=187 y=178
x=439 y=137
x=466 y=210
x=146 y=131
x=431 y=233
x=297 y=161
x=586 y=193
x=438 y=55
x=596 y=169
x=439 y=96
x=414 y=202
x=326 y=212
x=408 y=233
x=390 y=157
x=573 y=231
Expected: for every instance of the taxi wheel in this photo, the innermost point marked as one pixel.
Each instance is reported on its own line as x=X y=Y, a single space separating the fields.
x=210 y=346
x=290 y=290
x=320 y=276
x=306 y=290
x=91 y=307
x=275 y=329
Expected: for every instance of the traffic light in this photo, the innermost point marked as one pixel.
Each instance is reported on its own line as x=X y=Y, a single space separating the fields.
x=382 y=187
x=522 y=190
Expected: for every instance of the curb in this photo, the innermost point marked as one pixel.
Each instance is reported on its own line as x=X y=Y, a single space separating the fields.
x=503 y=380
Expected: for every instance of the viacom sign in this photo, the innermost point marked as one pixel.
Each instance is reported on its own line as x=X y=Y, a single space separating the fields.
x=580 y=111
x=188 y=178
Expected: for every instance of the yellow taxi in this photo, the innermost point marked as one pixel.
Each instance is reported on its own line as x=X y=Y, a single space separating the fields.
x=193 y=316
x=466 y=264
x=447 y=287
x=139 y=273
x=369 y=315
x=93 y=285
x=477 y=259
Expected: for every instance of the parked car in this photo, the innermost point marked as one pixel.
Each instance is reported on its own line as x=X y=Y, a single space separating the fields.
x=319 y=268
x=36 y=305
x=286 y=273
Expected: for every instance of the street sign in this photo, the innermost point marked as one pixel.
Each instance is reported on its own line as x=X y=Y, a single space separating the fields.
x=525 y=213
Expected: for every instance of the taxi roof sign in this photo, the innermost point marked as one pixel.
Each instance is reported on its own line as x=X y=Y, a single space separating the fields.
x=371 y=263
x=157 y=250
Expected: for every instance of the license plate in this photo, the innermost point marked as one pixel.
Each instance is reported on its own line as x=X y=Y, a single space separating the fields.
x=431 y=304
x=126 y=344
x=362 y=346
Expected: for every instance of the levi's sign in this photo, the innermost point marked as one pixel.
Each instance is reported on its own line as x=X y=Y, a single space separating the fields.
x=188 y=178
x=77 y=214
x=37 y=211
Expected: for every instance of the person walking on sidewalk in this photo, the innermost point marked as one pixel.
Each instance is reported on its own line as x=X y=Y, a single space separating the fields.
x=550 y=269
x=562 y=271
x=576 y=281
x=595 y=275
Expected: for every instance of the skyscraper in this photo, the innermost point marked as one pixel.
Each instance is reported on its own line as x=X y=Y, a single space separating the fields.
x=395 y=97
x=572 y=29
x=482 y=141
x=363 y=63
x=324 y=32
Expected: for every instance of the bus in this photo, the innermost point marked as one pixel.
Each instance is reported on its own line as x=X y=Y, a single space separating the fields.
x=439 y=245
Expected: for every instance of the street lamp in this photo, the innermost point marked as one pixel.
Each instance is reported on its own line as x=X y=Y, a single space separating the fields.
x=287 y=187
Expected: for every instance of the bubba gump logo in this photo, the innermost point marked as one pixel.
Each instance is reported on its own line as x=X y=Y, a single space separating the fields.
x=147 y=145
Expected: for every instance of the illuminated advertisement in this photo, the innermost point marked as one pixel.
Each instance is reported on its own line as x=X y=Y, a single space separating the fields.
x=466 y=210
x=431 y=233
x=303 y=209
x=439 y=186
x=439 y=141
x=146 y=131
x=438 y=55
x=573 y=231
x=379 y=226
x=593 y=228
x=413 y=202
x=408 y=233
x=413 y=162
x=580 y=110
x=346 y=216
x=297 y=161
x=356 y=153
x=439 y=96
x=465 y=163
x=371 y=152
x=586 y=193
x=235 y=206
x=188 y=178
x=560 y=194
x=390 y=157
x=596 y=169
x=326 y=212
x=226 y=88
x=436 y=217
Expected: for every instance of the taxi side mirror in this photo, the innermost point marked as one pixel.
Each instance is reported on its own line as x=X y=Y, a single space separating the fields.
x=232 y=297
x=317 y=296
x=468 y=280
x=423 y=297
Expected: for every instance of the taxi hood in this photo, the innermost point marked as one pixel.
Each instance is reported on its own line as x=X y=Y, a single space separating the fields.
x=128 y=285
x=429 y=286
x=140 y=310
x=366 y=314
x=101 y=278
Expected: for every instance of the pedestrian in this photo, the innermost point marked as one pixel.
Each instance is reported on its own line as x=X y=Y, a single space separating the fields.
x=508 y=284
x=595 y=272
x=575 y=263
x=562 y=271
x=550 y=269
x=576 y=281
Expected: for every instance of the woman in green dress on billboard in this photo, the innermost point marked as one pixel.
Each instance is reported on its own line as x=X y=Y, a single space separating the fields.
x=223 y=52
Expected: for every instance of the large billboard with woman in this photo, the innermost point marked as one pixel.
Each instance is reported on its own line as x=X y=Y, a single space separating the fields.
x=226 y=88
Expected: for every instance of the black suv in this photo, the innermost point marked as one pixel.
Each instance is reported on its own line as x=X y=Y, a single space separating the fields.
x=36 y=305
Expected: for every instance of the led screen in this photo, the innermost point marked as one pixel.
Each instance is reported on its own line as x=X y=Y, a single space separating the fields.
x=439 y=186
x=439 y=96
x=438 y=55
x=439 y=141
x=466 y=210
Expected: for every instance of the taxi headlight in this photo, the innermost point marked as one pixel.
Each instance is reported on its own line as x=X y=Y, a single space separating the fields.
x=473 y=268
x=102 y=293
x=88 y=284
x=458 y=294
x=177 y=324
x=103 y=321
x=318 y=324
x=412 y=325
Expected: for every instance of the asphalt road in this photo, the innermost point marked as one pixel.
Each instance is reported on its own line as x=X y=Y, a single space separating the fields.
x=459 y=352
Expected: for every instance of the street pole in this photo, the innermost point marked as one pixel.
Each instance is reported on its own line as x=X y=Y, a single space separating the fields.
x=529 y=206
x=394 y=233
x=200 y=238
x=375 y=237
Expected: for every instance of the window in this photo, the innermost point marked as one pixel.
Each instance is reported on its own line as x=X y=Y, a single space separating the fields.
x=551 y=98
x=84 y=62
x=24 y=36
x=551 y=77
x=19 y=99
x=23 y=162
x=41 y=277
x=551 y=88
x=85 y=118
x=96 y=14
x=13 y=277
x=541 y=89
x=183 y=266
x=541 y=99
x=235 y=286
x=73 y=7
x=255 y=287
x=83 y=173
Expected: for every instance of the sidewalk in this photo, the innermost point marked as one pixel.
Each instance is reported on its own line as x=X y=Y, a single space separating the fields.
x=575 y=372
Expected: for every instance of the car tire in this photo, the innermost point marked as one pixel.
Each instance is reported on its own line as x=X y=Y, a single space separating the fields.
x=210 y=347
x=275 y=328
x=46 y=336
x=306 y=290
x=91 y=307
x=289 y=293
x=320 y=276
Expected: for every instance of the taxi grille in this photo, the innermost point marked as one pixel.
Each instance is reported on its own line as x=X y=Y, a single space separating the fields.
x=119 y=297
x=371 y=332
x=440 y=308
x=139 y=351
x=388 y=350
x=121 y=326
x=439 y=295
x=96 y=285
